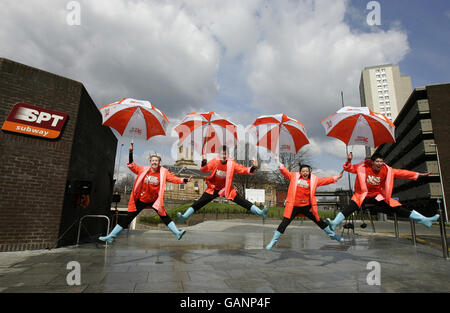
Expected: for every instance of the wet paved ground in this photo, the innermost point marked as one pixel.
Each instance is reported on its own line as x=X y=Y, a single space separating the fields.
x=228 y=256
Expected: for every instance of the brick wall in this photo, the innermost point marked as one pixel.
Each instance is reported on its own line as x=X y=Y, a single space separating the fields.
x=33 y=171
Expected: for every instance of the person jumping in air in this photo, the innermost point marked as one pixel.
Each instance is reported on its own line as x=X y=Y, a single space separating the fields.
x=374 y=184
x=148 y=191
x=219 y=184
x=301 y=200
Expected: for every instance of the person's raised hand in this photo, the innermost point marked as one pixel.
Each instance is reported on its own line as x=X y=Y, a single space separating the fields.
x=349 y=157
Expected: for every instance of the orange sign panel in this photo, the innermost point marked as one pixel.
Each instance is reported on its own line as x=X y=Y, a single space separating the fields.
x=35 y=121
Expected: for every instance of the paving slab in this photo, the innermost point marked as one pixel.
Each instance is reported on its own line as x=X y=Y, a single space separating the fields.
x=229 y=256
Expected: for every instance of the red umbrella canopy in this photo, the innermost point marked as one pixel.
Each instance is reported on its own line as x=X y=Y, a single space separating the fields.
x=135 y=118
x=279 y=133
x=359 y=126
x=206 y=132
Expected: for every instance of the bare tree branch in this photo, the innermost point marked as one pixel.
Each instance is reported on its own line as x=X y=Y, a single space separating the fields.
x=125 y=184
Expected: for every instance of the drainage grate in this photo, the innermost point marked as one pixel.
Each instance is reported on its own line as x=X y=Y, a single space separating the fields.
x=335 y=247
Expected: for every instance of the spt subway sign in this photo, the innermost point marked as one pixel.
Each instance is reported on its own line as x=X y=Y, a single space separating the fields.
x=32 y=120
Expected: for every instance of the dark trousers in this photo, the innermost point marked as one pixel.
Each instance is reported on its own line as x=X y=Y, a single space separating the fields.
x=300 y=210
x=139 y=207
x=207 y=198
x=380 y=205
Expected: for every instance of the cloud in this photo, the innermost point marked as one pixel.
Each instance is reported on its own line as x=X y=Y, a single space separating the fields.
x=335 y=147
x=241 y=58
x=148 y=50
x=313 y=148
x=233 y=23
x=308 y=54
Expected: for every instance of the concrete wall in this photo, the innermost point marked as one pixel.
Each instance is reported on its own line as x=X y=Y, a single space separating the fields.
x=92 y=160
x=439 y=100
x=422 y=122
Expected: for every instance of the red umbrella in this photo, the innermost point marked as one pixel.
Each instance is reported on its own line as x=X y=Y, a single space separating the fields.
x=359 y=126
x=135 y=118
x=279 y=133
x=206 y=132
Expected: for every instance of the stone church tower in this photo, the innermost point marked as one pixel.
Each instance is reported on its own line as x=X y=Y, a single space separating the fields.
x=185 y=158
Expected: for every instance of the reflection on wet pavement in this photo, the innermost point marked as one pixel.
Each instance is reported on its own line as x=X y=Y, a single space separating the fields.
x=229 y=256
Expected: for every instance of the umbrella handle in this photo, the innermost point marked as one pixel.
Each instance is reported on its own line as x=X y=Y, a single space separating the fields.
x=348 y=153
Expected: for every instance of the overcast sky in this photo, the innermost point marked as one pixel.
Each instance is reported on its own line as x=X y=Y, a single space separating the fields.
x=241 y=59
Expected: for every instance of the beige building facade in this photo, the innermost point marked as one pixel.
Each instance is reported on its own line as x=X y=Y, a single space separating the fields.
x=383 y=89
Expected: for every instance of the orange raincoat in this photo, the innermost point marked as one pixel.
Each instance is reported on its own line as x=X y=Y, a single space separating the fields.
x=386 y=193
x=141 y=171
x=315 y=182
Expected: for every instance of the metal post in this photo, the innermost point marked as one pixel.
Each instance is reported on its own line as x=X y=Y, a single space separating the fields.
x=371 y=221
x=443 y=232
x=117 y=215
x=413 y=232
x=396 y=225
x=120 y=160
x=442 y=181
x=353 y=223
x=346 y=151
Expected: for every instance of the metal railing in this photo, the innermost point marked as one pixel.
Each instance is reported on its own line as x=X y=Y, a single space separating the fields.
x=413 y=232
x=443 y=231
x=81 y=220
x=396 y=230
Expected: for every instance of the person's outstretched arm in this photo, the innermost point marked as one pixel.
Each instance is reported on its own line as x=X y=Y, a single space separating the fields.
x=171 y=178
x=329 y=180
x=206 y=166
x=348 y=166
x=284 y=171
x=130 y=154
x=131 y=165
x=241 y=169
x=399 y=173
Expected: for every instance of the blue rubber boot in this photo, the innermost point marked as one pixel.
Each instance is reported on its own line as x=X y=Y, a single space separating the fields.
x=419 y=218
x=255 y=210
x=174 y=229
x=183 y=217
x=332 y=234
x=264 y=212
x=112 y=235
x=336 y=222
x=276 y=236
